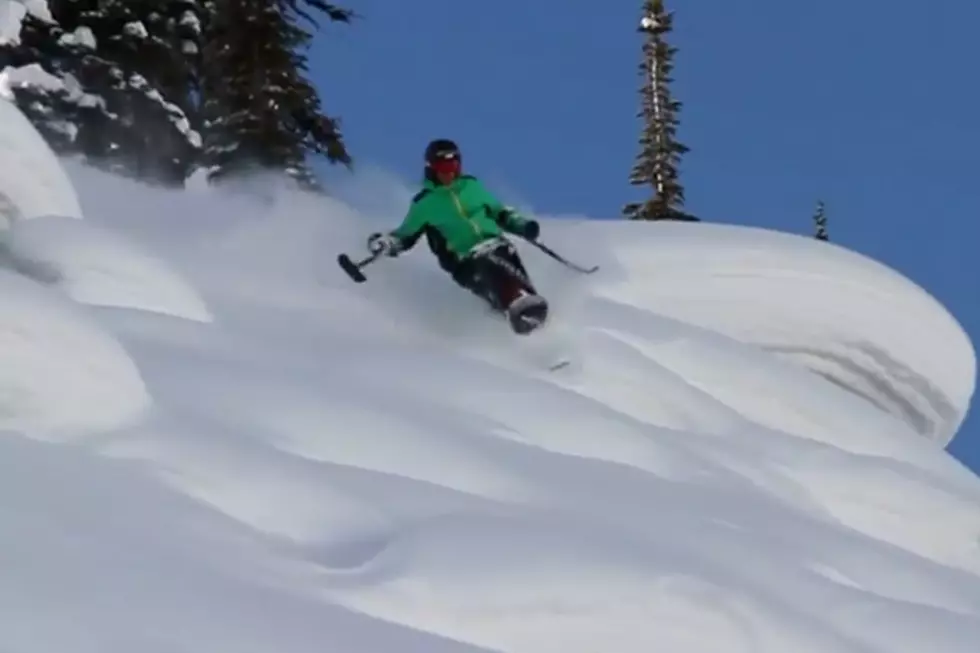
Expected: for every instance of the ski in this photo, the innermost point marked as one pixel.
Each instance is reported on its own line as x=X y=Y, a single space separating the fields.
x=353 y=268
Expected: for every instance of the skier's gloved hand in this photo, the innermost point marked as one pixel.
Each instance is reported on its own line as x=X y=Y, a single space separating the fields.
x=532 y=229
x=386 y=244
x=513 y=221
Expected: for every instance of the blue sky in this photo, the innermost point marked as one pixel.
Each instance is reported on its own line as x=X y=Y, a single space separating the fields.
x=866 y=105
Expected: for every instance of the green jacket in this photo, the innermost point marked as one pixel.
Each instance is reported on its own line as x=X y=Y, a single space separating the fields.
x=464 y=213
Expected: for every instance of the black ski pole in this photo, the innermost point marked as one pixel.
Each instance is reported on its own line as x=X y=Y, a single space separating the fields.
x=353 y=268
x=578 y=268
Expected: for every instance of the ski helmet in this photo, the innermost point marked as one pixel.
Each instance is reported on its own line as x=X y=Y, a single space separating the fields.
x=442 y=155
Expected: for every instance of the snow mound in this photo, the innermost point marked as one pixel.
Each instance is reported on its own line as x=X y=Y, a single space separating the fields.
x=100 y=267
x=33 y=183
x=839 y=314
x=62 y=375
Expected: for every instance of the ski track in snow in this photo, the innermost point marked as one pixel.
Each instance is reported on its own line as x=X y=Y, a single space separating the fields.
x=211 y=440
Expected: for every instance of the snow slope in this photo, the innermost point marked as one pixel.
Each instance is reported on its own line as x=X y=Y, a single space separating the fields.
x=211 y=440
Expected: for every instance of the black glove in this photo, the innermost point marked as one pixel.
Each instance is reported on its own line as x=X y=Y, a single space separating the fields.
x=531 y=230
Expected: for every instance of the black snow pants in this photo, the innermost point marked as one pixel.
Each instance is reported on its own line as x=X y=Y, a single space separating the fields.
x=494 y=272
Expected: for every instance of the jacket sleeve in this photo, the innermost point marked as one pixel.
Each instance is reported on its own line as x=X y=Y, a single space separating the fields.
x=507 y=217
x=412 y=226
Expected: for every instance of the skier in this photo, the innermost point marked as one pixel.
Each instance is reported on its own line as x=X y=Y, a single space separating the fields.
x=465 y=227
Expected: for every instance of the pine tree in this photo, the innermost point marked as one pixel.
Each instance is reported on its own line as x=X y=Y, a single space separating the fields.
x=820 y=220
x=660 y=152
x=55 y=102
x=149 y=48
x=121 y=98
x=259 y=111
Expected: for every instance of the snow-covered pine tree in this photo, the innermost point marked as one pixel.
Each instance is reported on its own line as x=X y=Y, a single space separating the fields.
x=660 y=152
x=259 y=110
x=113 y=60
x=149 y=50
x=55 y=102
x=820 y=221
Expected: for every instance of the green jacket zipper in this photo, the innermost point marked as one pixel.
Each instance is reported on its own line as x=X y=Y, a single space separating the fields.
x=462 y=214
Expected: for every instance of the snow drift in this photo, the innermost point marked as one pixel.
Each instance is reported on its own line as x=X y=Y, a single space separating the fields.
x=33 y=182
x=62 y=375
x=214 y=441
x=96 y=266
x=847 y=318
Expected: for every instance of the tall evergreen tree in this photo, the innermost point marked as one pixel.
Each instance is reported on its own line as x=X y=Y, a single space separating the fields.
x=259 y=111
x=820 y=221
x=120 y=97
x=660 y=152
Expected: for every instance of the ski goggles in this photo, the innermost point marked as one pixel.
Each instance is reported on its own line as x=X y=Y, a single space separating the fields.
x=447 y=163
